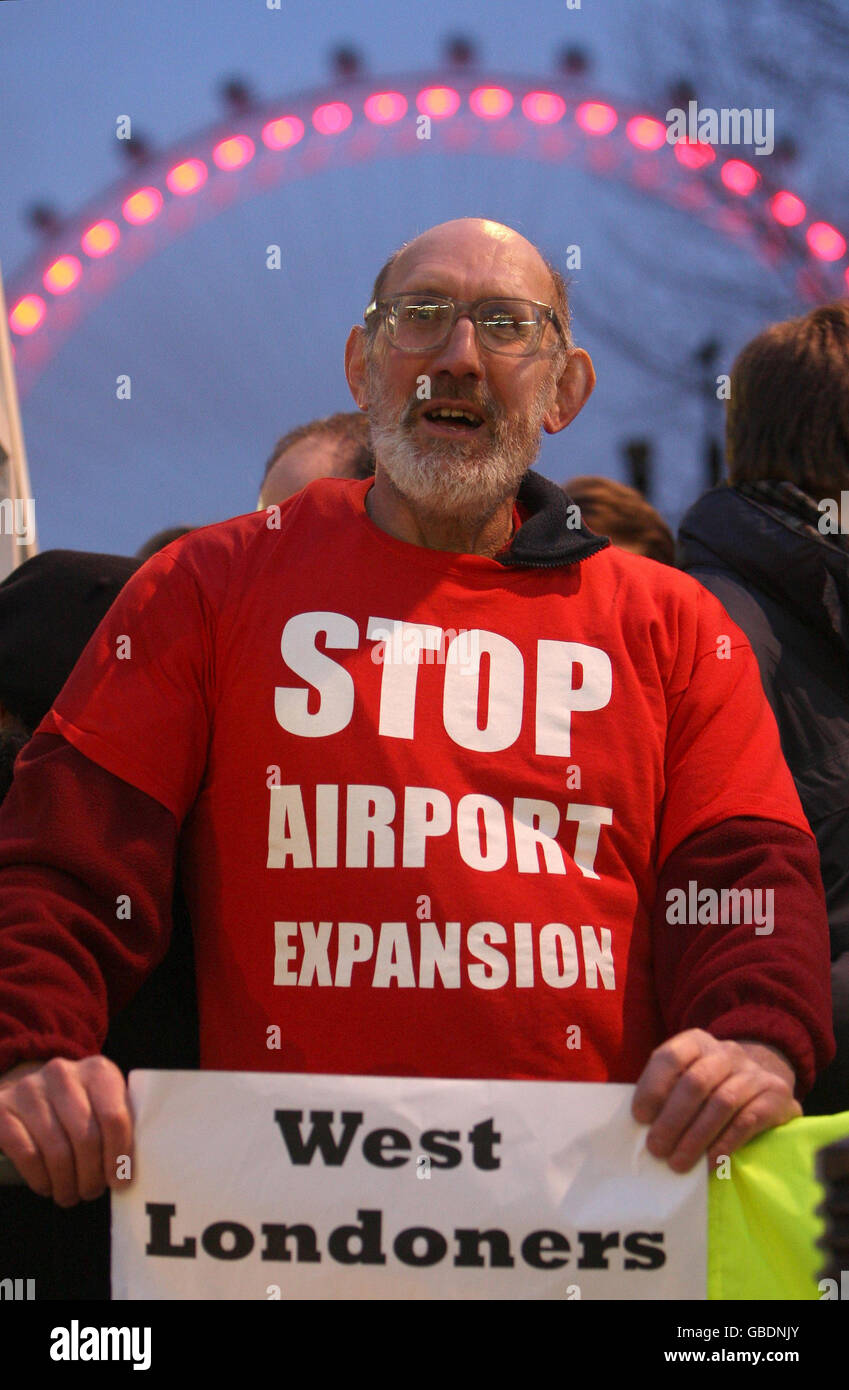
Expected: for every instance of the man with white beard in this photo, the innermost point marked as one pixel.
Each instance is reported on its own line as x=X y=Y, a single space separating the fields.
x=459 y=477
x=387 y=716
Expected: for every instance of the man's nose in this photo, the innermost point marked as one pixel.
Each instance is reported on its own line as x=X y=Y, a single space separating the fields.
x=461 y=354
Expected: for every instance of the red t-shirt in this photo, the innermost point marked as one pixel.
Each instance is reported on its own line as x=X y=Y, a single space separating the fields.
x=424 y=797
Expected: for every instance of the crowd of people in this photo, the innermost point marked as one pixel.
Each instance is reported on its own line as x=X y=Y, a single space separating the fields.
x=626 y=722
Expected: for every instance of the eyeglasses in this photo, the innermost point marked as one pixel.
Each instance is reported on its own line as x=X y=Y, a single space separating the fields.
x=425 y=322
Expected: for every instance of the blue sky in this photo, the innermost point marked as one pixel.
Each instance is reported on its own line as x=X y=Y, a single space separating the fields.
x=224 y=356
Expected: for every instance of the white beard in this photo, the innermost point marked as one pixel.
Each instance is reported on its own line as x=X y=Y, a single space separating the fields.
x=455 y=477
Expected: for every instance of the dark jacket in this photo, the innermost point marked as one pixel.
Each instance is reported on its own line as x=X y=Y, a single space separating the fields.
x=759 y=550
x=66 y=1253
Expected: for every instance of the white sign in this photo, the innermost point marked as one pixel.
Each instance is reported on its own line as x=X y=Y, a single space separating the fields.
x=276 y=1186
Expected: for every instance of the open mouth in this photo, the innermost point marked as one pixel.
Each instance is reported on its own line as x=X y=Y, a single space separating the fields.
x=453 y=420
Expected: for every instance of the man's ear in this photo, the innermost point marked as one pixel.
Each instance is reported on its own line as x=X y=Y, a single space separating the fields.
x=574 y=387
x=355 y=365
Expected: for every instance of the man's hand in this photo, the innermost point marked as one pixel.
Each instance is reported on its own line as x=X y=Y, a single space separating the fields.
x=64 y=1125
x=702 y=1095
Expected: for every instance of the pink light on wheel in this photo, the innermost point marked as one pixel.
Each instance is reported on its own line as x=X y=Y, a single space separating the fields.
x=100 y=239
x=438 y=102
x=646 y=133
x=187 y=177
x=825 y=241
x=233 y=152
x=787 y=209
x=543 y=107
x=739 y=177
x=27 y=314
x=384 y=107
x=596 y=117
x=490 y=102
x=142 y=206
x=62 y=275
x=280 y=134
x=332 y=118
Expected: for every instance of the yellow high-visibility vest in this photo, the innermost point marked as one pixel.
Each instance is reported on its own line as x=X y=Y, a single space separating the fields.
x=762 y=1222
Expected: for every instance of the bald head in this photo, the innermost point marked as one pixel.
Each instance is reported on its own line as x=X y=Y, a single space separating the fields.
x=480 y=244
x=337 y=446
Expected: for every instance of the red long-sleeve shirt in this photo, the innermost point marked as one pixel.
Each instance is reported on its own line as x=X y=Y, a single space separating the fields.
x=74 y=838
x=438 y=864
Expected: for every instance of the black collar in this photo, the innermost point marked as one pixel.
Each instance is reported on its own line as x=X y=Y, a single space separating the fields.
x=549 y=536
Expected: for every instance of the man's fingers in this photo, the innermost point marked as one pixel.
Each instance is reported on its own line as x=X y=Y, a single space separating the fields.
x=108 y=1092
x=737 y=1094
x=17 y=1144
x=699 y=1094
x=65 y=1125
x=34 y=1109
x=663 y=1069
x=767 y=1109
x=73 y=1107
x=92 y=1104
x=697 y=1101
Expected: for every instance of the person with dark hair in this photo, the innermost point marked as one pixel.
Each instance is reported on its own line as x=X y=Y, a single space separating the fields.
x=421 y=690
x=622 y=513
x=787 y=415
x=160 y=539
x=762 y=545
x=49 y=608
x=336 y=446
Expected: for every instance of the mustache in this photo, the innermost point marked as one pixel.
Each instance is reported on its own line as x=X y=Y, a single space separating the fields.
x=481 y=400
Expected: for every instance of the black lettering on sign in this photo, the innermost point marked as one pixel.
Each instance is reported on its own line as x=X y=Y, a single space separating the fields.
x=541 y=1243
x=212 y=1240
x=594 y=1246
x=320 y=1137
x=483 y=1140
x=641 y=1243
x=436 y=1246
x=380 y=1146
x=160 y=1214
x=469 y=1249
x=368 y=1236
x=276 y=1236
x=442 y=1155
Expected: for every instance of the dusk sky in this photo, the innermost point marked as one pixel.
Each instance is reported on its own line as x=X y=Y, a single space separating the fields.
x=225 y=354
